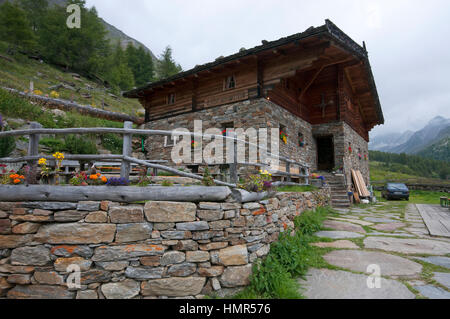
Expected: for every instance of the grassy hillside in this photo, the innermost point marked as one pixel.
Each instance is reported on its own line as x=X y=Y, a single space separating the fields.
x=22 y=70
x=439 y=150
x=380 y=173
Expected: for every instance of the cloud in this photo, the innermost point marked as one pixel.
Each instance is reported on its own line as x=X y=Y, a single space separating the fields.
x=406 y=40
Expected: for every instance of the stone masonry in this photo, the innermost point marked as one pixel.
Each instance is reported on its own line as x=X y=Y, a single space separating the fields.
x=156 y=250
x=262 y=113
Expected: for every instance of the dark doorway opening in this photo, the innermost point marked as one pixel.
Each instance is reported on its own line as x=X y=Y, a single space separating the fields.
x=325 y=153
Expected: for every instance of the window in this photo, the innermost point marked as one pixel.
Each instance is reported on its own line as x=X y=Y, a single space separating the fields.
x=229 y=126
x=170 y=141
x=171 y=99
x=301 y=139
x=230 y=83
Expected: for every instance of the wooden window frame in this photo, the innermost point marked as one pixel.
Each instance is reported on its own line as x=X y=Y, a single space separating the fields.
x=169 y=98
x=227 y=82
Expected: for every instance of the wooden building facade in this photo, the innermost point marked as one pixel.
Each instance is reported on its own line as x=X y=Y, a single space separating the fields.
x=319 y=80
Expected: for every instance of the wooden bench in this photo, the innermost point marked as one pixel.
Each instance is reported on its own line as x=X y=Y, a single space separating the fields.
x=444 y=201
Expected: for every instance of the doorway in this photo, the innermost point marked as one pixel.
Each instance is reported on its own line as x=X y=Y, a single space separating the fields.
x=325 y=153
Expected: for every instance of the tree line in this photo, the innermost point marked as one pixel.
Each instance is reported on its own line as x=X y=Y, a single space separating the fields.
x=412 y=164
x=36 y=28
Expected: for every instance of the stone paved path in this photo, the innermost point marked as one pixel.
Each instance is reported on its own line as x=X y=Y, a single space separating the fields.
x=390 y=237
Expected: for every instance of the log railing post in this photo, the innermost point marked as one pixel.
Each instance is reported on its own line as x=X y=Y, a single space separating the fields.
x=288 y=170
x=307 y=175
x=33 y=144
x=233 y=166
x=127 y=148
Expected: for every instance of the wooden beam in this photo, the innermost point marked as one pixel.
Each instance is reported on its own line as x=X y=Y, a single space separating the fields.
x=118 y=194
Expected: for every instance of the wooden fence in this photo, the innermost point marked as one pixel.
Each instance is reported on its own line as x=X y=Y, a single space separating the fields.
x=126 y=159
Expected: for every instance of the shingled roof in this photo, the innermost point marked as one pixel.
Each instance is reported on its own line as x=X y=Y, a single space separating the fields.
x=329 y=29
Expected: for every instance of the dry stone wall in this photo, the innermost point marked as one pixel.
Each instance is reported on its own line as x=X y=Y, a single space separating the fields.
x=156 y=250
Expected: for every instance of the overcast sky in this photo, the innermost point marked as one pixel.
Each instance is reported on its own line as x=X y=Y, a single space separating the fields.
x=407 y=40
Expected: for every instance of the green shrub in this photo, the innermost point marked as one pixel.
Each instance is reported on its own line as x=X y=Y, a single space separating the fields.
x=113 y=143
x=55 y=145
x=7 y=145
x=79 y=145
x=275 y=277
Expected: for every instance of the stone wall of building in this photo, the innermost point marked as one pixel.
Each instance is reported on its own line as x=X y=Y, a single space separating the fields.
x=156 y=250
x=353 y=160
x=344 y=137
x=259 y=113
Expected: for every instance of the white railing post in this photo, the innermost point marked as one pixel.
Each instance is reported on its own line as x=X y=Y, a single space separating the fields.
x=288 y=170
x=233 y=166
x=33 y=144
x=127 y=148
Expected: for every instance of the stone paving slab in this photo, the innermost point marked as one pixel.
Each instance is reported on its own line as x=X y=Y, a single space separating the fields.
x=379 y=220
x=432 y=292
x=436 y=260
x=390 y=265
x=443 y=278
x=389 y=226
x=338 y=225
x=346 y=244
x=338 y=234
x=408 y=246
x=390 y=234
x=336 y=284
x=353 y=221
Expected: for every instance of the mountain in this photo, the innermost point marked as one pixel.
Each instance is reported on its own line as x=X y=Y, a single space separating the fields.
x=386 y=142
x=437 y=130
x=113 y=35
x=439 y=150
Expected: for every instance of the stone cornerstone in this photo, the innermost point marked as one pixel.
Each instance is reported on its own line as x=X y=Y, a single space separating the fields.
x=156 y=250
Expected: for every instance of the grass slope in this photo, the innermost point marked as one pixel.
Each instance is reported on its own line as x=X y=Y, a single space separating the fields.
x=379 y=175
x=18 y=74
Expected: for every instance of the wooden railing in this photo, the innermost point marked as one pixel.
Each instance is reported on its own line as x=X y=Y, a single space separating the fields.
x=126 y=159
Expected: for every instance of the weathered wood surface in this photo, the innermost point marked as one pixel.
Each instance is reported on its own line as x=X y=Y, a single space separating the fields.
x=173 y=170
x=83 y=109
x=13 y=193
x=67 y=157
x=436 y=218
x=103 y=130
x=126 y=151
x=243 y=196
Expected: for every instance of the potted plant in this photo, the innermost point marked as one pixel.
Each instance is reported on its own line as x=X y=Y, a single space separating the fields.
x=283 y=137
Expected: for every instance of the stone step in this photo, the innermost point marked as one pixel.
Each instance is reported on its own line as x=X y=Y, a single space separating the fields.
x=336 y=196
x=341 y=205
x=340 y=201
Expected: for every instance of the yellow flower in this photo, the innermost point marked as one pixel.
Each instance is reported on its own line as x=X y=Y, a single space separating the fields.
x=37 y=92
x=58 y=156
x=54 y=94
x=42 y=161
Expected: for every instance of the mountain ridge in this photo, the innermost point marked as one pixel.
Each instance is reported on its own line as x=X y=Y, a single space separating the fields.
x=420 y=142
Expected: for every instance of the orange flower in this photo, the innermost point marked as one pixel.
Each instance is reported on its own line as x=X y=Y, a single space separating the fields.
x=104 y=179
x=98 y=174
x=14 y=176
x=93 y=177
x=22 y=177
x=17 y=181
